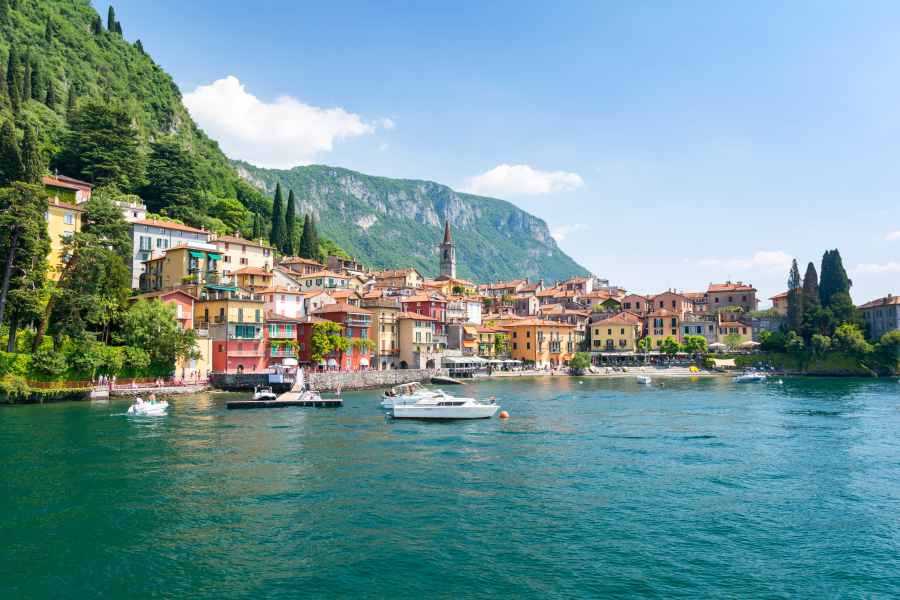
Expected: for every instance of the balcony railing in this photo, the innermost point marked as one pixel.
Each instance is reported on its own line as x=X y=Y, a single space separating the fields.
x=282 y=335
x=282 y=352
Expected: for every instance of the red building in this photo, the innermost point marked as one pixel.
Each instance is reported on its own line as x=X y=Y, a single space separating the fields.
x=355 y=323
x=281 y=336
x=430 y=304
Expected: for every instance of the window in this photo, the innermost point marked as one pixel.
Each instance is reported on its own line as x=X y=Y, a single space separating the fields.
x=661 y=304
x=243 y=261
x=418 y=337
x=716 y=299
x=145 y=243
x=674 y=323
x=609 y=332
x=673 y=304
x=257 y=315
x=70 y=218
x=240 y=315
x=743 y=298
x=528 y=334
x=528 y=346
x=515 y=346
x=622 y=331
x=730 y=298
x=227 y=259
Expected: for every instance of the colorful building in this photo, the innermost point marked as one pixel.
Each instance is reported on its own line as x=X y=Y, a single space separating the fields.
x=385 y=331
x=541 y=343
x=721 y=295
x=281 y=338
x=734 y=333
x=238 y=253
x=430 y=304
x=323 y=280
x=398 y=279
x=151 y=238
x=191 y=263
x=355 y=323
x=253 y=278
x=882 y=315
x=236 y=322
x=63 y=220
x=662 y=323
x=618 y=333
x=780 y=303
x=193 y=368
x=284 y=301
x=420 y=345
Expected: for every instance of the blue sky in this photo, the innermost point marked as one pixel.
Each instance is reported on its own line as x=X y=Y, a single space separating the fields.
x=666 y=144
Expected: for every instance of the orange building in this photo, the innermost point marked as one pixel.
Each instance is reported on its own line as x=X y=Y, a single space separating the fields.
x=541 y=343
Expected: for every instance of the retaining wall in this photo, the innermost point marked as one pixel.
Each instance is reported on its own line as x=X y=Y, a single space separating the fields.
x=326 y=382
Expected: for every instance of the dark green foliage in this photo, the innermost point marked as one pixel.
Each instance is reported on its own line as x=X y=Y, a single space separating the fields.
x=111 y=19
x=71 y=102
x=151 y=325
x=309 y=242
x=834 y=278
x=26 y=80
x=96 y=25
x=11 y=168
x=48 y=30
x=290 y=225
x=276 y=235
x=495 y=240
x=795 y=299
x=139 y=46
x=172 y=183
x=257 y=227
x=50 y=96
x=37 y=86
x=102 y=147
x=33 y=164
x=13 y=78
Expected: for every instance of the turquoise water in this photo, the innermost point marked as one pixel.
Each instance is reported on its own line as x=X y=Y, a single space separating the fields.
x=600 y=488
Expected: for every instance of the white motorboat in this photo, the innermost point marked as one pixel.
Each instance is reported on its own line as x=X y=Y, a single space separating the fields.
x=407 y=393
x=749 y=377
x=148 y=409
x=264 y=393
x=644 y=379
x=444 y=406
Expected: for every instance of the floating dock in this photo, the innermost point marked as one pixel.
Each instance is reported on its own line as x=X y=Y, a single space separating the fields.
x=287 y=399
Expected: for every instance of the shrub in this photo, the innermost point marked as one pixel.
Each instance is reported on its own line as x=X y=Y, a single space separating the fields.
x=47 y=361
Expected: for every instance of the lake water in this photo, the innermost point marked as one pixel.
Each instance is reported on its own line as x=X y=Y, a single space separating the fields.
x=592 y=488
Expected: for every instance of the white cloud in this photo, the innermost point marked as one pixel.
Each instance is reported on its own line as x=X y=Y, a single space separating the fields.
x=893 y=236
x=761 y=259
x=280 y=134
x=521 y=180
x=888 y=267
x=387 y=123
x=561 y=232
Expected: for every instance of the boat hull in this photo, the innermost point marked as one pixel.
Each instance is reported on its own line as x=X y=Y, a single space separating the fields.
x=483 y=411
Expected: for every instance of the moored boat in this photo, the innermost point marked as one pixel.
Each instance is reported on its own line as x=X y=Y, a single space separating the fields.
x=407 y=393
x=443 y=406
x=148 y=409
x=644 y=379
x=264 y=393
x=749 y=377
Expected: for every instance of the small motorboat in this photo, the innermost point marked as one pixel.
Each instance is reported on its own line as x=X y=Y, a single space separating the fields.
x=151 y=408
x=644 y=379
x=264 y=393
x=444 y=406
x=750 y=377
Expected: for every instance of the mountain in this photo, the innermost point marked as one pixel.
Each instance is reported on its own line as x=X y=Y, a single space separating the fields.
x=69 y=56
x=390 y=223
x=57 y=56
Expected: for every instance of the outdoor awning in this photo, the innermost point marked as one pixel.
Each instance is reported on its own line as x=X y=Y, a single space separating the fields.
x=224 y=288
x=196 y=254
x=214 y=255
x=289 y=362
x=364 y=362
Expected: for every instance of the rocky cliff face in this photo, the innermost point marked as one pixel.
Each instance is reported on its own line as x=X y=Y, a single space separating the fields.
x=397 y=222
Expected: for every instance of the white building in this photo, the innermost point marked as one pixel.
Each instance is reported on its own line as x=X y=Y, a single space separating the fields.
x=150 y=236
x=284 y=302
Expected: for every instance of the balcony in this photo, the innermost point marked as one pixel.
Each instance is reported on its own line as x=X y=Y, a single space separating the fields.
x=245 y=353
x=359 y=321
x=282 y=335
x=440 y=339
x=282 y=352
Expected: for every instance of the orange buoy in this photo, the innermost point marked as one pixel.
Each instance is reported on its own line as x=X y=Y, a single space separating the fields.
x=503 y=414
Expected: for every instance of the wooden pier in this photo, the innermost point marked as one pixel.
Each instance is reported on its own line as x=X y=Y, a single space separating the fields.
x=291 y=398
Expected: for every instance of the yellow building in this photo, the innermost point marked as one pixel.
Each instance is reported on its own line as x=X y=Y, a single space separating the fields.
x=194 y=263
x=662 y=323
x=253 y=278
x=734 y=333
x=235 y=321
x=618 y=333
x=542 y=343
x=323 y=280
x=385 y=331
x=238 y=253
x=63 y=220
x=451 y=286
x=419 y=348
x=487 y=341
x=398 y=278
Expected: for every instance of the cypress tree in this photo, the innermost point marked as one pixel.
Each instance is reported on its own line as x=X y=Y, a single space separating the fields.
x=834 y=278
x=276 y=235
x=71 y=102
x=36 y=82
x=33 y=166
x=50 y=98
x=26 y=81
x=139 y=46
x=289 y=225
x=795 y=299
x=10 y=158
x=12 y=77
x=48 y=30
x=96 y=25
x=257 y=230
x=305 y=238
x=111 y=19
x=810 y=287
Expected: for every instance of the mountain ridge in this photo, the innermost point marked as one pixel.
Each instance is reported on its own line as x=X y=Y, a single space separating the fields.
x=389 y=222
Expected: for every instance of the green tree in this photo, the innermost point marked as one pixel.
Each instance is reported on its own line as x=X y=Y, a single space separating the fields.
x=13 y=79
x=580 y=363
x=812 y=307
x=71 y=102
x=111 y=19
x=834 y=278
x=309 y=243
x=137 y=359
x=850 y=339
x=33 y=165
x=139 y=45
x=23 y=245
x=102 y=147
x=670 y=346
x=11 y=167
x=795 y=299
x=50 y=98
x=887 y=353
x=172 y=186
x=37 y=82
x=793 y=343
x=96 y=25
x=48 y=30
x=327 y=338
x=231 y=212
x=290 y=225
x=49 y=362
x=501 y=344
x=821 y=344
x=26 y=80
x=257 y=227
x=695 y=345
x=645 y=344
x=95 y=282
x=733 y=340
x=771 y=341
x=276 y=234
x=152 y=325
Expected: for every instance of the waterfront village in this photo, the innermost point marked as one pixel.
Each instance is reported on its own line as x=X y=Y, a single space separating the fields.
x=253 y=310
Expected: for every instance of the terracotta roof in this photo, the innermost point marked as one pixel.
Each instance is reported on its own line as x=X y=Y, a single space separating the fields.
x=168 y=225
x=780 y=296
x=373 y=294
x=312 y=319
x=448 y=239
x=729 y=286
x=670 y=293
x=65 y=182
x=537 y=323
x=230 y=239
x=273 y=316
x=423 y=298
x=394 y=273
x=633 y=296
x=341 y=307
x=733 y=324
x=502 y=285
x=416 y=316
x=66 y=205
x=296 y=260
x=482 y=329
x=889 y=300
x=694 y=295
x=662 y=312
x=622 y=318
x=342 y=294
x=551 y=292
x=252 y=271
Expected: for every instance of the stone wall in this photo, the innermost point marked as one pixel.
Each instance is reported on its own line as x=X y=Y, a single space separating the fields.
x=325 y=382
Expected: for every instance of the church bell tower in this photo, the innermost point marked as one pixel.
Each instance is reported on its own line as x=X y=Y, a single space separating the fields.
x=448 y=254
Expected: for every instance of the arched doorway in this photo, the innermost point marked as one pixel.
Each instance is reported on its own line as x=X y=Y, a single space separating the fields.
x=403 y=364
x=430 y=364
x=240 y=369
